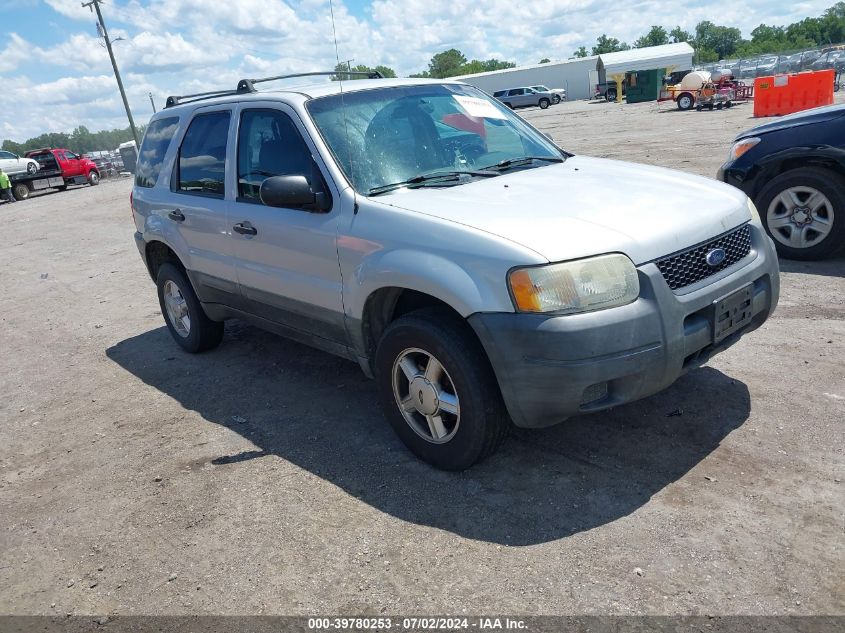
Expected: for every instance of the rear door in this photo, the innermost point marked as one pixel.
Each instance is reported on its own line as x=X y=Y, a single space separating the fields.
x=196 y=211
x=286 y=258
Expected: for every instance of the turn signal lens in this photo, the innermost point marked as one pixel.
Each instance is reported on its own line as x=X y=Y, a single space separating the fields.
x=740 y=147
x=583 y=285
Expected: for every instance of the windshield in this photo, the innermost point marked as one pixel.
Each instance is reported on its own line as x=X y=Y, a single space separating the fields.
x=391 y=135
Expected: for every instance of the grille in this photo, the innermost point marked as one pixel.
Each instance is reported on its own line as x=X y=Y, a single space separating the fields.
x=690 y=266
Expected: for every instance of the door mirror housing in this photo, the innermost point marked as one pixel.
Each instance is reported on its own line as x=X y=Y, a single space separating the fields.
x=290 y=191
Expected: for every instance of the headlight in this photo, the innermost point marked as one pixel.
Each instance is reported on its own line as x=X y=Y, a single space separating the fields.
x=583 y=285
x=755 y=215
x=740 y=147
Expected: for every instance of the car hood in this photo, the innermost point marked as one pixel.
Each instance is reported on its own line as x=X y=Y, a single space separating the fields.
x=806 y=117
x=587 y=206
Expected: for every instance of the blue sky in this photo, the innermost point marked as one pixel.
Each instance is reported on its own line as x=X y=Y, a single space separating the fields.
x=56 y=74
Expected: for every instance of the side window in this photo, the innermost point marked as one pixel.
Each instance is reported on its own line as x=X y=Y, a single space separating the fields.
x=153 y=148
x=270 y=145
x=202 y=157
x=71 y=156
x=6 y=155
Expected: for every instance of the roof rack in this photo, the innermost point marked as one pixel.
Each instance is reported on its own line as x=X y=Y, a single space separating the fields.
x=248 y=85
x=173 y=100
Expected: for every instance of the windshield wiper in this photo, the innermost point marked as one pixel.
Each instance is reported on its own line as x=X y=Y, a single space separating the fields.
x=523 y=160
x=435 y=177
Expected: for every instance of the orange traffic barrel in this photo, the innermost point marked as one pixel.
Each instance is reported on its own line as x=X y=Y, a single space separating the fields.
x=784 y=94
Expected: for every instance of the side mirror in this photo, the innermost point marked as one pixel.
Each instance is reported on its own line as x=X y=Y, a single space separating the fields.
x=287 y=191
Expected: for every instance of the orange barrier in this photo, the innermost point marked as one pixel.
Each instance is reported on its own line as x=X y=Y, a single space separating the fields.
x=784 y=94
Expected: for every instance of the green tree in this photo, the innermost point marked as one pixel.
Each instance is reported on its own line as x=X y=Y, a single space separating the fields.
x=446 y=64
x=581 y=52
x=545 y=60
x=385 y=71
x=679 y=35
x=80 y=140
x=656 y=36
x=605 y=44
x=721 y=39
x=360 y=68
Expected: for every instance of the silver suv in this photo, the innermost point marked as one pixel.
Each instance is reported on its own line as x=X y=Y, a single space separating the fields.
x=420 y=228
x=525 y=97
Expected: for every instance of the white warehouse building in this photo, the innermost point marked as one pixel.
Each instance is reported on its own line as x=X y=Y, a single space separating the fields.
x=579 y=76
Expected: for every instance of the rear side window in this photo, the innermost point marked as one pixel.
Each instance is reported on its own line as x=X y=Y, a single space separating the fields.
x=202 y=157
x=153 y=148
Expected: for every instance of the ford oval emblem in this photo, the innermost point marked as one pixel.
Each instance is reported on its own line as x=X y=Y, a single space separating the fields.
x=715 y=257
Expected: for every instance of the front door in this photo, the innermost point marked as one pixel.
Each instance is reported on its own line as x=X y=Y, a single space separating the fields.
x=70 y=164
x=285 y=258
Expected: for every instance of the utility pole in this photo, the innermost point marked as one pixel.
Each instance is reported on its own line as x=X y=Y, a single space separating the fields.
x=95 y=5
x=153 y=102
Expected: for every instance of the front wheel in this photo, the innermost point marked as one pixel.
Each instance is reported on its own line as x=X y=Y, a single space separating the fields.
x=93 y=178
x=187 y=321
x=31 y=168
x=438 y=391
x=804 y=212
x=685 y=101
x=611 y=95
x=556 y=99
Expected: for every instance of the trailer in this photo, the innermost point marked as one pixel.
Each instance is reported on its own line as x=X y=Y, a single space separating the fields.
x=59 y=168
x=702 y=89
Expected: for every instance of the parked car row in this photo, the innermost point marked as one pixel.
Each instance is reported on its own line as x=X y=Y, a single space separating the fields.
x=528 y=96
x=765 y=65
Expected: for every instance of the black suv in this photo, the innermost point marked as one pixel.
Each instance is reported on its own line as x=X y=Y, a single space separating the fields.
x=794 y=171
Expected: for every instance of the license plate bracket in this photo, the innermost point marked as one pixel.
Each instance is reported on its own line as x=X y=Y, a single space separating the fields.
x=732 y=313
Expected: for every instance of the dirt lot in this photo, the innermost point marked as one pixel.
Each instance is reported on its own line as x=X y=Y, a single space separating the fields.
x=261 y=478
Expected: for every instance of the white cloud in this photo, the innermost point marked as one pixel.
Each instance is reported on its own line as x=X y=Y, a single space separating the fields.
x=183 y=46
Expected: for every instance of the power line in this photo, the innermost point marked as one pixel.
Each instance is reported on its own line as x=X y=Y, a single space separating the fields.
x=95 y=5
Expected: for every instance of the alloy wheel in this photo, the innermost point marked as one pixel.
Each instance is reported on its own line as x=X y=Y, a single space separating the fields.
x=426 y=395
x=800 y=217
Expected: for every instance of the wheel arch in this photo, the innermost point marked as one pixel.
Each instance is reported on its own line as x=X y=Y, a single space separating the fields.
x=779 y=165
x=157 y=253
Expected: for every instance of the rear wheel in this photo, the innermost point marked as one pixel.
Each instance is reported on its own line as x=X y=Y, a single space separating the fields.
x=31 y=168
x=438 y=391
x=20 y=191
x=610 y=95
x=187 y=321
x=804 y=212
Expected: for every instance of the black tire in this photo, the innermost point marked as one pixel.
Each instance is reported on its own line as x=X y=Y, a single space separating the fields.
x=62 y=187
x=483 y=423
x=610 y=95
x=203 y=334
x=719 y=106
x=698 y=108
x=20 y=191
x=556 y=99
x=93 y=178
x=544 y=103
x=831 y=185
x=728 y=104
x=685 y=101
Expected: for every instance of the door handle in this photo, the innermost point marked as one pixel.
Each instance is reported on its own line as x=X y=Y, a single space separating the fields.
x=176 y=216
x=245 y=228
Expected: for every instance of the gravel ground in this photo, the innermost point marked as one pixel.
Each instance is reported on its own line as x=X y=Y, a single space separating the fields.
x=260 y=478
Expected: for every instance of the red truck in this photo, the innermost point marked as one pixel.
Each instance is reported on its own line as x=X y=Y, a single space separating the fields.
x=59 y=168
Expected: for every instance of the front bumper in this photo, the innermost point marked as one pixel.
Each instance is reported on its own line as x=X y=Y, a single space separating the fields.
x=550 y=368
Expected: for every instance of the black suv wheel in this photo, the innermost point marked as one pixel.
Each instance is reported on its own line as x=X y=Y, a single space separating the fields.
x=804 y=212
x=187 y=321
